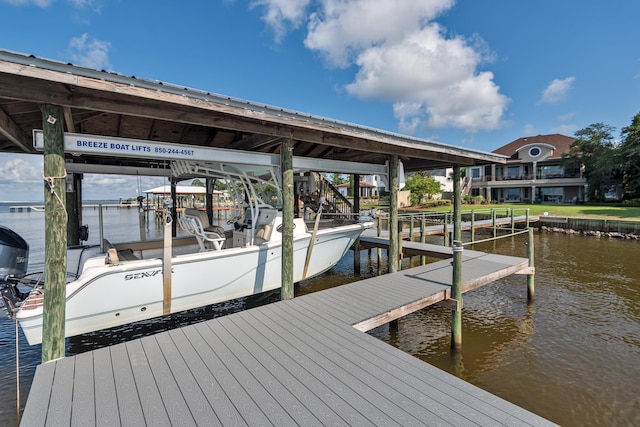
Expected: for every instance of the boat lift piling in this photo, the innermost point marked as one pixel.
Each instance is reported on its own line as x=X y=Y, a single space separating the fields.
x=394 y=236
x=456 y=291
x=356 y=211
x=286 y=163
x=55 y=253
x=531 y=275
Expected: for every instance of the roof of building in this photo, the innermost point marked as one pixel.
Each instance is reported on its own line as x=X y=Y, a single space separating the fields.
x=561 y=144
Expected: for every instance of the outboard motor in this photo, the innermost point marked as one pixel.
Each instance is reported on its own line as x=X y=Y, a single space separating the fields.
x=14 y=259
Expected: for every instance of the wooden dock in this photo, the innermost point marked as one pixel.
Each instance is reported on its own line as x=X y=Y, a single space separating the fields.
x=304 y=361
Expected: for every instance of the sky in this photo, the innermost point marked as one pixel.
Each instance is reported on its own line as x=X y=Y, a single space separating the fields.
x=469 y=73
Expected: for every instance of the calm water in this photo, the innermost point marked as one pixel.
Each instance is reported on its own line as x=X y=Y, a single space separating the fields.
x=573 y=356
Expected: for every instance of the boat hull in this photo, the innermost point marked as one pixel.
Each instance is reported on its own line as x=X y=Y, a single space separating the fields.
x=114 y=295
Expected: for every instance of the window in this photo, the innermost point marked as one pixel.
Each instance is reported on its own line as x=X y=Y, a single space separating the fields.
x=534 y=151
x=475 y=173
x=550 y=172
x=550 y=194
x=513 y=194
x=513 y=172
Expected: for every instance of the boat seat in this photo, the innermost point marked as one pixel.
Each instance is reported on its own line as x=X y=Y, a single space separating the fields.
x=263 y=233
x=112 y=256
x=204 y=219
x=192 y=225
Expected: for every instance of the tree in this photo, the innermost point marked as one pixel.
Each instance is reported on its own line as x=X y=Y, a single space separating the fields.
x=630 y=157
x=594 y=150
x=336 y=178
x=422 y=185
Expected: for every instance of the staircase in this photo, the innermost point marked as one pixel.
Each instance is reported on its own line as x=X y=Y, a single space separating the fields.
x=316 y=189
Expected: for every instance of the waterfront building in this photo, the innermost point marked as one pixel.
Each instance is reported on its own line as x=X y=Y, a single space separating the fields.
x=533 y=173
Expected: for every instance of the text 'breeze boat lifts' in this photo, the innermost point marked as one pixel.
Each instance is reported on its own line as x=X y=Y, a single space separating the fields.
x=113 y=284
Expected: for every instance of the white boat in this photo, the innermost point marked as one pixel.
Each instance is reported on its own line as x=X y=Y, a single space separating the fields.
x=116 y=284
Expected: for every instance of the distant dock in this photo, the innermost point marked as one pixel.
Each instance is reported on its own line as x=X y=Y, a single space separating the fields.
x=40 y=208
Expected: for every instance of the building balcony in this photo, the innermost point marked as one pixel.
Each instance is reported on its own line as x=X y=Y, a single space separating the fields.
x=524 y=180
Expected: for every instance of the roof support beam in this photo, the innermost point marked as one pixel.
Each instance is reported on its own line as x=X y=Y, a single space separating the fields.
x=68 y=119
x=13 y=132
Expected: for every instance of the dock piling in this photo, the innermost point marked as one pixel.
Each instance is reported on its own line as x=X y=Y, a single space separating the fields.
x=456 y=280
x=394 y=237
x=286 y=163
x=530 y=277
x=55 y=219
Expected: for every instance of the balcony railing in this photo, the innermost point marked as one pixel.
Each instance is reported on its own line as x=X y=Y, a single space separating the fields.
x=526 y=177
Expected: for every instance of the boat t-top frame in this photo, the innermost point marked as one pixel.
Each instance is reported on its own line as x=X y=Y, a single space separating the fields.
x=247 y=184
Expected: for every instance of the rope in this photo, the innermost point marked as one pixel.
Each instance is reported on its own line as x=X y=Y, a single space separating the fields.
x=495 y=238
x=52 y=186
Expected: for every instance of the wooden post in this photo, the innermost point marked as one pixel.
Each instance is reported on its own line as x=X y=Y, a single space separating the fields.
x=394 y=252
x=493 y=222
x=379 y=232
x=530 y=277
x=55 y=234
x=473 y=226
x=423 y=225
x=446 y=229
x=286 y=165
x=456 y=280
x=356 y=210
x=400 y=255
x=513 y=221
x=526 y=224
x=142 y=224
x=411 y=228
x=356 y=195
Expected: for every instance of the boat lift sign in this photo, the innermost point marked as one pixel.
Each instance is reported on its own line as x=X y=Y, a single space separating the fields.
x=79 y=143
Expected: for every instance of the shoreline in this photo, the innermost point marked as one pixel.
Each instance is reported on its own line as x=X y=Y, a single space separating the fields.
x=590 y=233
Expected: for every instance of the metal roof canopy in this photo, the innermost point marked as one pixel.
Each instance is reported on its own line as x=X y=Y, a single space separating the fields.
x=108 y=104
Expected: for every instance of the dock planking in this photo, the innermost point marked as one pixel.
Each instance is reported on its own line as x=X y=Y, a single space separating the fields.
x=304 y=361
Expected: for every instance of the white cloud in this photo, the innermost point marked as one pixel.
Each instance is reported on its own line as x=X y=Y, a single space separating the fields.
x=21 y=169
x=91 y=53
x=403 y=57
x=556 y=91
x=341 y=29
x=281 y=15
x=437 y=76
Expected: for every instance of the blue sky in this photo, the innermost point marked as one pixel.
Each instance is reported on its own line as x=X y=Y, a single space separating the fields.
x=476 y=74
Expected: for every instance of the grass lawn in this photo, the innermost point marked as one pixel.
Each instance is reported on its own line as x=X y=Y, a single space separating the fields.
x=578 y=211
